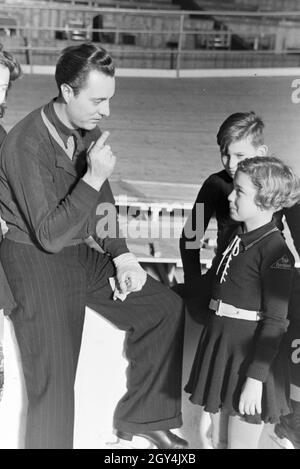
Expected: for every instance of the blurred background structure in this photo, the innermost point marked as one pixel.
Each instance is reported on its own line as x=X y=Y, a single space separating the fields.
x=161 y=34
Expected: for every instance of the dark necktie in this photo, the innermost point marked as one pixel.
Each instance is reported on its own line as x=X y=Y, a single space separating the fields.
x=79 y=152
x=78 y=144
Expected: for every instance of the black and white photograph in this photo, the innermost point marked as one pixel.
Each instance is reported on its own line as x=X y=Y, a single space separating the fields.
x=150 y=227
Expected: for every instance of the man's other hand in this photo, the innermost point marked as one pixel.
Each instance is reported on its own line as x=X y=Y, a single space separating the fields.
x=130 y=275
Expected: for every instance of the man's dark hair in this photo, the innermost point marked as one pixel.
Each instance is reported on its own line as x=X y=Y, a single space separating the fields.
x=239 y=126
x=75 y=63
x=9 y=61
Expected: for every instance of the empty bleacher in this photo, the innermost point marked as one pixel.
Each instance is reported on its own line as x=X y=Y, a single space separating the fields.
x=257 y=33
x=151 y=4
x=130 y=33
x=136 y=4
x=227 y=5
x=250 y=5
x=272 y=5
x=140 y=38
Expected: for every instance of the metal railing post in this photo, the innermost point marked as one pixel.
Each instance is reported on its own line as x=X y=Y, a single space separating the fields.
x=179 y=48
x=30 y=52
x=28 y=47
x=280 y=38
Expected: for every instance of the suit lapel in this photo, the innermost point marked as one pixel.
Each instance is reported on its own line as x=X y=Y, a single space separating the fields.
x=62 y=160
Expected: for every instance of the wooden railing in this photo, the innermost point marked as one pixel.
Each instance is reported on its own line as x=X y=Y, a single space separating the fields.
x=37 y=27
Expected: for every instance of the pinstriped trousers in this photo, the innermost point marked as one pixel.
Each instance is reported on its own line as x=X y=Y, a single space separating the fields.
x=52 y=291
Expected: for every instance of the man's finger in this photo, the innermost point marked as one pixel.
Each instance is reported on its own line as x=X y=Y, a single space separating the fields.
x=128 y=282
x=247 y=409
x=122 y=284
x=102 y=139
x=252 y=408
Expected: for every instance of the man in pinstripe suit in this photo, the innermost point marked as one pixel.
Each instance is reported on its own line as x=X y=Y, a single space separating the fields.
x=53 y=179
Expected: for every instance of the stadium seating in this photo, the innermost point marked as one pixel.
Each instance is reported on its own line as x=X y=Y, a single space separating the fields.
x=287 y=5
x=259 y=5
x=140 y=4
x=139 y=39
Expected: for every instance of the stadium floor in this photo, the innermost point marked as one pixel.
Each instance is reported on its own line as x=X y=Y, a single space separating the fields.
x=165 y=129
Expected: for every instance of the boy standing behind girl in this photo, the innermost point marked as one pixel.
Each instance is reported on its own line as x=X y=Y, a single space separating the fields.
x=239 y=137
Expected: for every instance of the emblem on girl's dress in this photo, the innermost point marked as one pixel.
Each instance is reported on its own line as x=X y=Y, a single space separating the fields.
x=282 y=263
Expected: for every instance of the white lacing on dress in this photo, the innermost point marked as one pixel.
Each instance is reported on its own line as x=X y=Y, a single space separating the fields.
x=232 y=250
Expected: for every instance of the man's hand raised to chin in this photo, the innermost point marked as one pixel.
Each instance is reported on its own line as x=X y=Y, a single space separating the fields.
x=100 y=162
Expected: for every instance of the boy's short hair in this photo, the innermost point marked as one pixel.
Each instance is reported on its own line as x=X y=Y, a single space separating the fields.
x=75 y=63
x=277 y=184
x=9 y=61
x=240 y=125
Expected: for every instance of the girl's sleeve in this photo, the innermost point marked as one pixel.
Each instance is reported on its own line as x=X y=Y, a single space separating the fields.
x=277 y=269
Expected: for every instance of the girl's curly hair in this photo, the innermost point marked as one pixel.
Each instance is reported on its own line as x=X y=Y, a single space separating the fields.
x=277 y=185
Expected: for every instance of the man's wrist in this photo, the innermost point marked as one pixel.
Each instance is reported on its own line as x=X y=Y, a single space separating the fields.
x=92 y=181
x=125 y=258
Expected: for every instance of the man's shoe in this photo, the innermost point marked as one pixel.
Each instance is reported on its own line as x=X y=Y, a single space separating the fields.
x=162 y=439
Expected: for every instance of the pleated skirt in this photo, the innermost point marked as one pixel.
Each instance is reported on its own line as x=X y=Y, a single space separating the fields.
x=224 y=353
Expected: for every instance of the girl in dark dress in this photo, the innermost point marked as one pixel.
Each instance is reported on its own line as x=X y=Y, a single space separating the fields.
x=240 y=371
